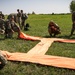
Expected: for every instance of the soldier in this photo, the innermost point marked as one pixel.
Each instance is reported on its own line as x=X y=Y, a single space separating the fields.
x=73 y=21
x=3 y=60
x=19 y=17
x=1 y=14
x=53 y=29
x=11 y=27
x=2 y=27
x=23 y=19
x=8 y=30
x=10 y=16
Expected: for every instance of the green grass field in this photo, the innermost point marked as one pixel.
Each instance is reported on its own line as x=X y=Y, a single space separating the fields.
x=39 y=27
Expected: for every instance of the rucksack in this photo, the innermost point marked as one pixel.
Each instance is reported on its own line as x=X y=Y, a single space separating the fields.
x=26 y=27
x=25 y=16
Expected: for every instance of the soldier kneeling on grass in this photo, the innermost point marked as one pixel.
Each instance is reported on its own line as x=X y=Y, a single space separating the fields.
x=11 y=27
x=53 y=29
x=3 y=61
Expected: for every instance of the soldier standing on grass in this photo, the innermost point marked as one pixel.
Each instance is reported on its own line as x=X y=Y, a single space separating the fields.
x=19 y=17
x=23 y=19
x=73 y=21
x=3 y=61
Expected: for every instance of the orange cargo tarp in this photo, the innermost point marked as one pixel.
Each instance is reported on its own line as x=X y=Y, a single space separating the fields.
x=37 y=53
x=41 y=47
x=66 y=41
x=62 y=62
x=28 y=37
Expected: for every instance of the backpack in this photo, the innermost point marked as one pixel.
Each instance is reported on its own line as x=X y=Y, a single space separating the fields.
x=26 y=27
x=25 y=16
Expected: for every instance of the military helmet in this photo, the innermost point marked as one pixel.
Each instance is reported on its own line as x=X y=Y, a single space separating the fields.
x=17 y=9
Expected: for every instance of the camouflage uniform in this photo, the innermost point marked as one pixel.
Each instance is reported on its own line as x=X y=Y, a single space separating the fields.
x=2 y=25
x=73 y=25
x=23 y=19
x=19 y=17
x=11 y=27
x=15 y=27
x=3 y=61
x=53 y=29
x=10 y=16
x=8 y=29
x=1 y=14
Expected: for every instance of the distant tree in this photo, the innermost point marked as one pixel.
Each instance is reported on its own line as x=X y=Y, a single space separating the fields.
x=33 y=12
x=72 y=6
x=52 y=13
x=29 y=13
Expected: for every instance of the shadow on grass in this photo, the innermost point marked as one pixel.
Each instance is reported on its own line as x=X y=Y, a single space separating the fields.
x=2 y=39
x=40 y=65
x=64 y=36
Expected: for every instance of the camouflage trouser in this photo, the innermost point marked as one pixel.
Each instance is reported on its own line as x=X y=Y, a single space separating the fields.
x=54 y=31
x=16 y=29
x=23 y=24
x=3 y=61
x=8 y=33
x=19 y=21
x=73 y=29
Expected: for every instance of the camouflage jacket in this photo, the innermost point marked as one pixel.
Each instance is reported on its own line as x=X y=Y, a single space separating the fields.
x=2 y=24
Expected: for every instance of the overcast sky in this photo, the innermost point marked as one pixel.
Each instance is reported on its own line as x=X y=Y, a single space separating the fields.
x=38 y=6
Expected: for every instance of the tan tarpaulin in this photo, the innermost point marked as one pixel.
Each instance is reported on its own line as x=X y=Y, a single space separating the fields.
x=27 y=37
x=42 y=47
x=37 y=53
x=56 y=61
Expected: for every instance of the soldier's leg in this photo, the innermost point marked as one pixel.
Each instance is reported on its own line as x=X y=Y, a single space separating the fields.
x=6 y=33
x=2 y=60
x=19 y=22
x=22 y=24
x=17 y=29
x=72 y=30
x=18 y=33
x=50 y=33
x=10 y=33
x=54 y=34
